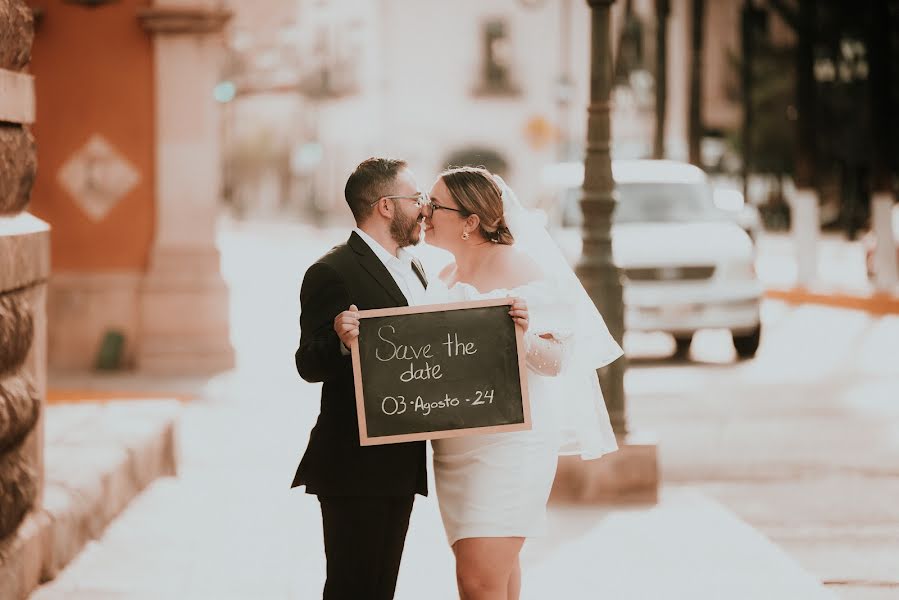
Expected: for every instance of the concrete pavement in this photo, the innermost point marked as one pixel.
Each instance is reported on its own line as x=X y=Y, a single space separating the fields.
x=228 y=528
x=799 y=442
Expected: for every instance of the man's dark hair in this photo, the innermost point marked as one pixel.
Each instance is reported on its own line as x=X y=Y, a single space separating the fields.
x=373 y=178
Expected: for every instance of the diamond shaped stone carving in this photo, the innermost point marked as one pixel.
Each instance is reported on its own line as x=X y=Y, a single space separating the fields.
x=98 y=177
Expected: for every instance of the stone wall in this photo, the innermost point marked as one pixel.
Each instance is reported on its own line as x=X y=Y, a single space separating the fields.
x=24 y=269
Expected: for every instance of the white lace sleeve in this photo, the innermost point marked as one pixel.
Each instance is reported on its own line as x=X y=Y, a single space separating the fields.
x=547 y=343
x=544 y=353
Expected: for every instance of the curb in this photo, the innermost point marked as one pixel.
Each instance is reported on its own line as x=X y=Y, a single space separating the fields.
x=98 y=457
x=878 y=303
x=90 y=396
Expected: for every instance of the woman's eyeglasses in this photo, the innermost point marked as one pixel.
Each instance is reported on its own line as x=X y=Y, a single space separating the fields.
x=433 y=206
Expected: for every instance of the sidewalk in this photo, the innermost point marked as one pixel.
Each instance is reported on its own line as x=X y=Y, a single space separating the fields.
x=227 y=527
x=842 y=276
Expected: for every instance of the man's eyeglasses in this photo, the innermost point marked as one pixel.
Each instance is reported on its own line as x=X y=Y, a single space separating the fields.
x=420 y=199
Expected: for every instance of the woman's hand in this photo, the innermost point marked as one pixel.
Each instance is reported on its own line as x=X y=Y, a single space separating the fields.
x=519 y=313
x=346 y=325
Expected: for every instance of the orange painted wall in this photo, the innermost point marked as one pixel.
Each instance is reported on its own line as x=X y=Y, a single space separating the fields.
x=93 y=72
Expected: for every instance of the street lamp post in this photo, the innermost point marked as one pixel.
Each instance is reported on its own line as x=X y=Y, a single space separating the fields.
x=631 y=473
x=596 y=270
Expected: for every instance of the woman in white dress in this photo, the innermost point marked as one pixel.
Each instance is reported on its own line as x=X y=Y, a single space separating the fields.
x=492 y=489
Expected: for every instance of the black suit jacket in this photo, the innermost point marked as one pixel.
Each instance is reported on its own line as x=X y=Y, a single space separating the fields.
x=334 y=463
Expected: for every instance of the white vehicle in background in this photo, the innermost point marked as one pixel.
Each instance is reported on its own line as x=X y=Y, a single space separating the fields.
x=686 y=263
x=736 y=208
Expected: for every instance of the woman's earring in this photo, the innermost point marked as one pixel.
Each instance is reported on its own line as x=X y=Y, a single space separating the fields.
x=464 y=235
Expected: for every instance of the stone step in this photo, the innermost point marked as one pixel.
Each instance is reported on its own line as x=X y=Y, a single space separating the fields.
x=97 y=457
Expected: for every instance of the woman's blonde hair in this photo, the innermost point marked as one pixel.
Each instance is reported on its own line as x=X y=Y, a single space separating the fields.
x=474 y=189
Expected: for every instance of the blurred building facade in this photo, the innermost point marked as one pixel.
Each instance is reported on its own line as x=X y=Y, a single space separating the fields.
x=128 y=147
x=504 y=83
x=151 y=125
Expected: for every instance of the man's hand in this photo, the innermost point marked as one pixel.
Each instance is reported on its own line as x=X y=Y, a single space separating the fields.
x=346 y=325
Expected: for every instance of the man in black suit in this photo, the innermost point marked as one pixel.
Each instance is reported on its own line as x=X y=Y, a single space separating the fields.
x=365 y=493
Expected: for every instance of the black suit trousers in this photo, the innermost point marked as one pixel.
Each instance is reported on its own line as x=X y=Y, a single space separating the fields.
x=364 y=538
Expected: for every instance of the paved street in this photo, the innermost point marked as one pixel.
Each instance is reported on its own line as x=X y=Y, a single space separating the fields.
x=802 y=443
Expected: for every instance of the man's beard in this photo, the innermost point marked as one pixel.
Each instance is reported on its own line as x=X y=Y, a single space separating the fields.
x=403 y=229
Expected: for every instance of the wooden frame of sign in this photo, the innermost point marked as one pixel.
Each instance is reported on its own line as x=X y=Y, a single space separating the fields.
x=423 y=388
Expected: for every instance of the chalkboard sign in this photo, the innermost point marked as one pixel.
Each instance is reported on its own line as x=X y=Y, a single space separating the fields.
x=437 y=371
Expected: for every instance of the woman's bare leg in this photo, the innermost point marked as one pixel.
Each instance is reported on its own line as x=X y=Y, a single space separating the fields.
x=515 y=581
x=485 y=566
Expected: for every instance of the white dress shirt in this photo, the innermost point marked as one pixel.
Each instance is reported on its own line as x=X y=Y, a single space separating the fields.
x=399 y=267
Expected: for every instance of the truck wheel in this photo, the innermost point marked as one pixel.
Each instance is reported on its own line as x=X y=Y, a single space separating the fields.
x=682 y=345
x=747 y=345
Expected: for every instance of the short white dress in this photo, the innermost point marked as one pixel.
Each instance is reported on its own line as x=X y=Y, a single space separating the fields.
x=497 y=485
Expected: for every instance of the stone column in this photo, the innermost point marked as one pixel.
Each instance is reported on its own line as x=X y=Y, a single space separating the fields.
x=880 y=27
x=804 y=206
x=184 y=301
x=632 y=472
x=885 y=268
x=805 y=229
x=24 y=269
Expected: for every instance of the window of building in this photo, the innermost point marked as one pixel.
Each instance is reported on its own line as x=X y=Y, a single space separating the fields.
x=496 y=61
